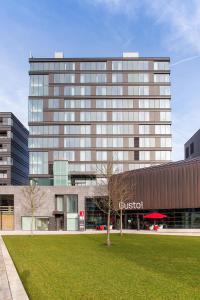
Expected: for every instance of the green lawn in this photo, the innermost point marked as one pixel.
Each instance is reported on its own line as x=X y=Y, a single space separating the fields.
x=82 y=267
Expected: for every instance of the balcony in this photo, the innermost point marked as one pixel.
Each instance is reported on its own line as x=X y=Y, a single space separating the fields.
x=6 y=161
x=4 y=134
x=3 y=175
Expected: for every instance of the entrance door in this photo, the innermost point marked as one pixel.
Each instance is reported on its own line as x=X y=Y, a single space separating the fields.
x=134 y=221
x=7 y=222
x=59 y=222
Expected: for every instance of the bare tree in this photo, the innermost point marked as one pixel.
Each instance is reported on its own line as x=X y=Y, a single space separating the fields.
x=32 y=201
x=105 y=201
x=124 y=198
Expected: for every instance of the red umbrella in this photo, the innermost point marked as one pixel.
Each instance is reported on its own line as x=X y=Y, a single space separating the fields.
x=155 y=216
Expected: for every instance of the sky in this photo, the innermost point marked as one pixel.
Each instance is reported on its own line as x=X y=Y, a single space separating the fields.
x=84 y=28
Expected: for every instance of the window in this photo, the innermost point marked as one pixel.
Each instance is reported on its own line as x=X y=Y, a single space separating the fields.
x=117 y=77
x=77 y=142
x=85 y=155
x=115 y=129
x=60 y=203
x=164 y=90
x=109 y=142
x=77 y=90
x=120 y=155
x=72 y=203
x=130 y=65
x=144 y=129
x=38 y=85
x=187 y=152
x=138 y=77
x=64 y=78
x=138 y=90
x=43 y=130
x=114 y=103
x=86 y=103
x=101 y=155
x=147 y=142
x=93 y=116
x=53 y=103
x=144 y=155
x=162 y=129
x=161 y=77
x=138 y=166
x=191 y=148
x=109 y=90
x=161 y=65
x=56 y=91
x=64 y=116
x=51 y=66
x=130 y=116
x=93 y=66
x=3 y=174
x=165 y=142
x=64 y=155
x=154 y=103
x=35 y=109
x=162 y=155
x=38 y=162
x=43 y=142
x=28 y=223
x=165 y=116
x=93 y=78
x=77 y=129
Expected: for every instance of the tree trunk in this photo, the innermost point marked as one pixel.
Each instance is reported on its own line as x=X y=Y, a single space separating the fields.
x=121 y=224
x=108 y=228
x=32 y=223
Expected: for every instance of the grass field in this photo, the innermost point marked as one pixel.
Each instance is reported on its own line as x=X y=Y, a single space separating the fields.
x=82 y=267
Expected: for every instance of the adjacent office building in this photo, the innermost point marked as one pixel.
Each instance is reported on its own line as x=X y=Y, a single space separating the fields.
x=84 y=112
x=192 y=146
x=13 y=151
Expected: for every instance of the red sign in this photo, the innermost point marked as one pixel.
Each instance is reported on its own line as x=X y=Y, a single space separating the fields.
x=81 y=213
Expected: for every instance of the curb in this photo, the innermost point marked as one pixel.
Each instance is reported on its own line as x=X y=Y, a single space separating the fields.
x=16 y=287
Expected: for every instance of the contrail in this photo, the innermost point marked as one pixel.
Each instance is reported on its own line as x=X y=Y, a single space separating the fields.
x=184 y=60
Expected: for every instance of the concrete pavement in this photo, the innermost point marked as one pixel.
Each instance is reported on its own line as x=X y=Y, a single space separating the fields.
x=180 y=232
x=11 y=287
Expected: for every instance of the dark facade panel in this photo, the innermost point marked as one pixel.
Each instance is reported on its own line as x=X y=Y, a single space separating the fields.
x=170 y=186
x=192 y=146
x=13 y=151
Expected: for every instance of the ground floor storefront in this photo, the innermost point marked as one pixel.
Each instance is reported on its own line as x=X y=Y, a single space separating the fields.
x=134 y=219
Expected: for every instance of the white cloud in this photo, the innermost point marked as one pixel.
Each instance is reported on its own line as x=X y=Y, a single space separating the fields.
x=180 y=19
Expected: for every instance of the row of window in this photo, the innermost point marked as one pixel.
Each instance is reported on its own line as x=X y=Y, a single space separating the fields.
x=101 y=129
x=110 y=91
x=116 y=65
x=111 y=103
x=39 y=87
x=116 y=78
x=88 y=116
x=111 y=142
x=39 y=165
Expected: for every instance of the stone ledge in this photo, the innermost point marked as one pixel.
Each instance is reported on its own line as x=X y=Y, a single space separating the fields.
x=16 y=287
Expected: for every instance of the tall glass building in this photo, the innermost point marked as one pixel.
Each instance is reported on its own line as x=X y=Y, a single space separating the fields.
x=85 y=112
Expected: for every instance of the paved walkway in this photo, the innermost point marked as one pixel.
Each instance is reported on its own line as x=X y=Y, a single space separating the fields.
x=180 y=232
x=11 y=287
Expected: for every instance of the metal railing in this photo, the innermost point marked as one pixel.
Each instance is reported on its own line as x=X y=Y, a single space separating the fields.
x=8 y=209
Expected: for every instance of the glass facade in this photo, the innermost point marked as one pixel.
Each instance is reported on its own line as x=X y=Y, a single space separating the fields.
x=91 y=112
x=60 y=173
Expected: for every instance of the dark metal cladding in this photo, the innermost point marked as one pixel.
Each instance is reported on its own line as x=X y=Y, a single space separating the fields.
x=169 y=186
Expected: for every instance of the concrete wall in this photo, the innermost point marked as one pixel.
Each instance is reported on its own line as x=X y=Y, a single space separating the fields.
x=48 y=201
